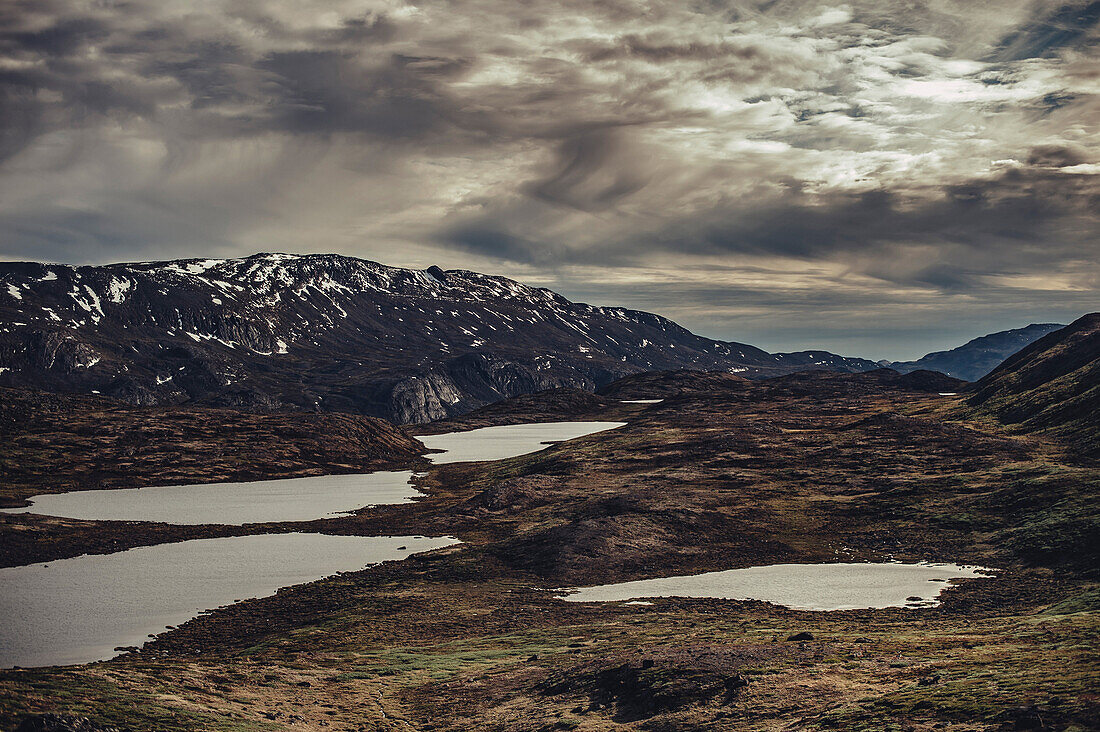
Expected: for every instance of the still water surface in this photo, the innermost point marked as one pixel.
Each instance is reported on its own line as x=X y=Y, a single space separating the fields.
x=497 y=443
x=299 y=499
x=800 y=586
x=78 y=610
x=261 y=501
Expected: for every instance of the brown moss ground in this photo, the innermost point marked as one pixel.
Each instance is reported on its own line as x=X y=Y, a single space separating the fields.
x=51 y=443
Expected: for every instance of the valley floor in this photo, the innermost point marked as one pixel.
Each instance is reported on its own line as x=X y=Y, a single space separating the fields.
x=808 y=468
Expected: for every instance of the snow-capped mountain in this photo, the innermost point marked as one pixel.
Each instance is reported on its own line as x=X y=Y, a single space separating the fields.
x=333 y=333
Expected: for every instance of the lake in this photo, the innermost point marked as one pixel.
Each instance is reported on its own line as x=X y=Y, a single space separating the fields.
x=299 y=499
x=799 y=586
x=78 y=610
x=261 y=501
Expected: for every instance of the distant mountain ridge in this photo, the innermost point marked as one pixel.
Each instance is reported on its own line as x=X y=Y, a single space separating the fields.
x=1052 y=386
x=668 y=384
x=328 y=332
x=976 y=358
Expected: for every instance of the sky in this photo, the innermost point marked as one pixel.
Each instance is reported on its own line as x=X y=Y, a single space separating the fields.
x=879 y=178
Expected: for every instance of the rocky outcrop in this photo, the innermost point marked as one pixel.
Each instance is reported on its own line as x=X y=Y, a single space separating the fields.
x=551 y=405
x=60 y=723
x=640 y=690
x=59 y=352
x=424 y=398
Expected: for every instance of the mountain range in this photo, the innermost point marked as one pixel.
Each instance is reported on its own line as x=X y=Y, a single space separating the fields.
x=323 y=332
x=976 y=358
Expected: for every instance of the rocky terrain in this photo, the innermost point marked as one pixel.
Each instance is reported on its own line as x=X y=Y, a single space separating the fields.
x=722 y=473
x=815 y=384
x=332 y=333
x=976 y=358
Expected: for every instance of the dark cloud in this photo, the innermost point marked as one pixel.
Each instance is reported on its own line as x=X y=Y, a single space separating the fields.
x=1022 y=220
x=342 y=82
x=372 y=28
x=209 y=70
x=328 y=91
x=586 y=176
x=23 y=119
x=658 y=50
x=60 y=39
x=1056 y=155
x=499 y=244
x=47 y=61
x=1051 y=30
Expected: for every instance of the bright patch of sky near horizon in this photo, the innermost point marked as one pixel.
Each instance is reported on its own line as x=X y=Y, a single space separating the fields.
x=875 y=178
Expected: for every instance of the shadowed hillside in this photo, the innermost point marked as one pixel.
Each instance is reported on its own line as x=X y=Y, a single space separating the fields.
x=1051 y=386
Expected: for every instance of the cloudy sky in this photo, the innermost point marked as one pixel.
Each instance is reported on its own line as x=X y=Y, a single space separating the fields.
x=878 y=178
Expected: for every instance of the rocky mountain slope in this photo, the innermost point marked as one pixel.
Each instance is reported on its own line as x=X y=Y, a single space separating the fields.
x=552 y=405
x=976 y=358
x=1053 y=385
x=332 y=333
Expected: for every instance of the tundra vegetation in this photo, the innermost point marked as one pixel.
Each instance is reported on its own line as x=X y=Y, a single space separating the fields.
x=723 y=473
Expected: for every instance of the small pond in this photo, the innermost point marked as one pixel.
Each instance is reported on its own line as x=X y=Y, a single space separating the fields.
x=498 y=443
x=260 y=501
x=800 y=586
